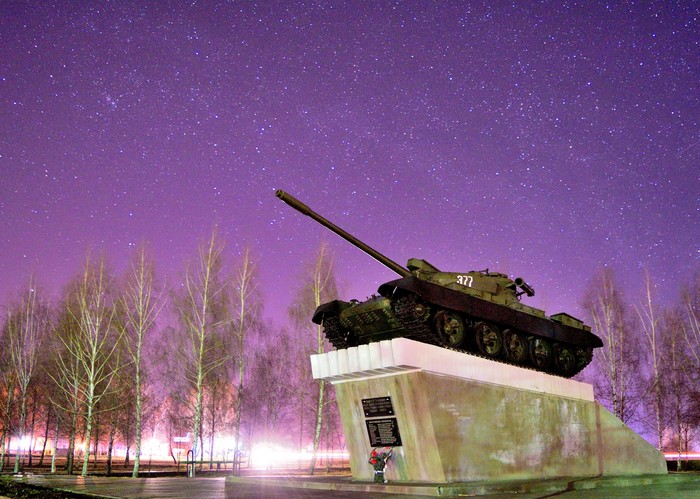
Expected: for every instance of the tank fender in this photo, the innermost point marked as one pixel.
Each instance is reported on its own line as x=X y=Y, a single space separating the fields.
x=329 y=309
x=484 y=309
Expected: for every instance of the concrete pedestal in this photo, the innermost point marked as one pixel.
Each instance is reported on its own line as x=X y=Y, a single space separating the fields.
x=464 y=418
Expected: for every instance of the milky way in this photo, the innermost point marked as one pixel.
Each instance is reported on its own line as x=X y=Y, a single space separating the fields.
x=544 y=140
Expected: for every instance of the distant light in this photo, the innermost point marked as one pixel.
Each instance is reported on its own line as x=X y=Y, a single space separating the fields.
x=670 y=456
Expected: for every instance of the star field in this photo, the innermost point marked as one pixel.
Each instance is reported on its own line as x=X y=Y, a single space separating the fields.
x=544 y=140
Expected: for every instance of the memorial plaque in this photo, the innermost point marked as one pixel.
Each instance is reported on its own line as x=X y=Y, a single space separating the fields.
x=377 y=407
x=383 y=432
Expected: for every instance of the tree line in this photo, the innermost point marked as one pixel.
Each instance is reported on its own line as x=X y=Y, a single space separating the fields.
x=647 y=373
x=123 y=358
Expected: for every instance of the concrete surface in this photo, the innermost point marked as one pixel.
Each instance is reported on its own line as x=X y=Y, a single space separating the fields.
x=680 y=486
x=462 y=418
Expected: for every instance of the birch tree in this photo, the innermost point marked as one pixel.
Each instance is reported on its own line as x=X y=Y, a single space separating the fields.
x=118 y=401
x=651 y=327
x=679 y=378
x=64 y=370
x=96 y=344
x=141 y=308
x=272 y=388
x=27 y=324
x=198 y=306
x=41 y=392
x=616 y=363
x=244 y=310
x=319 y=287
x=691 y=325
x=690 y=298
x=7 y=392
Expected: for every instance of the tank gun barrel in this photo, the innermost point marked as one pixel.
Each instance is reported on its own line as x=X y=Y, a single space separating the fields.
x=527 y=289
x=305 y=210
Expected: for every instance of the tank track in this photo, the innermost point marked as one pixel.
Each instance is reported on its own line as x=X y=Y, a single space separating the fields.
x=420 y=330
x=416 y=328
x=334 y=333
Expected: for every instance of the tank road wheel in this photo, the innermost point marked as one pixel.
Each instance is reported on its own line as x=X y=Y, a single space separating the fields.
x=541 y=353
x=488 y=339
x=450 y=328
x=564 y=360
x=421 y=311
x=516 y=346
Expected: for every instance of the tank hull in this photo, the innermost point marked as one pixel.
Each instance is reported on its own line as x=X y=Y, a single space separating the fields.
x=413 y=308
x=486 y=310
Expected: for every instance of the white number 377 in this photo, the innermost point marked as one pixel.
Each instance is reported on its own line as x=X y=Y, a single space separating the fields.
x=465 y=280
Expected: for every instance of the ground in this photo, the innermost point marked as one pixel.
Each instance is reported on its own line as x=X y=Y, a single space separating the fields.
x=10 y=488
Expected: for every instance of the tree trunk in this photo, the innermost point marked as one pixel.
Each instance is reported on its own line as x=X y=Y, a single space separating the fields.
x=88 y=441
x=19 y=453
x=96 y=439
x=110 y=447
x=328 y=439
x=679 y=461
x=5 y=426
x=201 y=442
x=301 y=424
x=49 y=410
x=71 y=441
x=657 y=409
x=172 y=454
x=213 y=423
x=137 y=445
x=55 y=447
x=3 y=436
x=319 y=425
x=31 y=430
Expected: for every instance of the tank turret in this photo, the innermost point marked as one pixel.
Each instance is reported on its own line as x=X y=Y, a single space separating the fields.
x=479 y=312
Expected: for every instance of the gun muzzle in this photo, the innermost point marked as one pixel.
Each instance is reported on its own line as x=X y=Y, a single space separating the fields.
x=527 y=289
x=293 y=202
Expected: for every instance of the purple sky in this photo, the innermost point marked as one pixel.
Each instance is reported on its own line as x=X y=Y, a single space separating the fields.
x=542 y=140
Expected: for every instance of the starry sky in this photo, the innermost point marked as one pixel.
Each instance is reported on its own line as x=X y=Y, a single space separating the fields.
x=540 y=139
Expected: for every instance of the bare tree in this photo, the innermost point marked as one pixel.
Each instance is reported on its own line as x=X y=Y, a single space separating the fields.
x=679 y=379
x=7 y=392
x=96 y=344
x=27 y=324
x=42 y=393
x=319 y=288
x=141 y=308
x=217 y=407
x=690 y=297
x=126 y=424
x=272 y=389
x=118 y=402
x=199 y=310
x=616 y=363
x=64 y=370
x=651 y=326
x=244 y=311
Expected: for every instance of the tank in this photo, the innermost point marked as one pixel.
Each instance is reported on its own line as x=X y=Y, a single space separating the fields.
x=478 y=312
